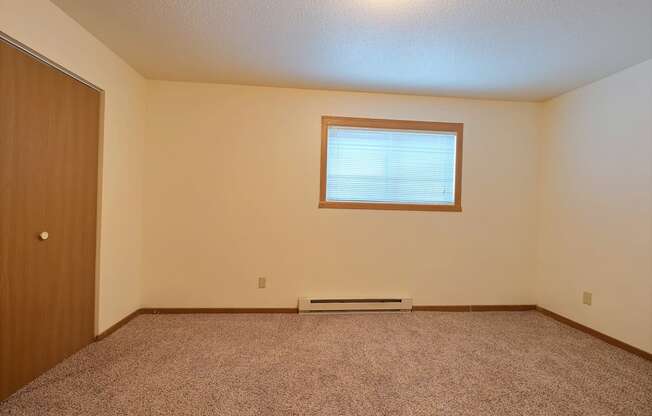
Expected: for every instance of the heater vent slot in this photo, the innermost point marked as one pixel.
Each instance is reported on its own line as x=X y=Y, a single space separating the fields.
x=349 y=305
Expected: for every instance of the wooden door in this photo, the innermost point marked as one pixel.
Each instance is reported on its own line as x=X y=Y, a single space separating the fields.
x=49 y=133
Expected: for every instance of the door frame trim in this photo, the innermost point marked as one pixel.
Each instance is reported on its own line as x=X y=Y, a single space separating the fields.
x=17 y=44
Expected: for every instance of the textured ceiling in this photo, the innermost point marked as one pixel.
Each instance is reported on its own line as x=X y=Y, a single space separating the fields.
x=505 y=49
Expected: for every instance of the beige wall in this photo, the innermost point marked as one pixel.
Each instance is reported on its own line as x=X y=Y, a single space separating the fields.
x=43 y=27
x=231 y=193
x=596 y=206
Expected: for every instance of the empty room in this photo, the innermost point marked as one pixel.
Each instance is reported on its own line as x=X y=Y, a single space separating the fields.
x=326 y=207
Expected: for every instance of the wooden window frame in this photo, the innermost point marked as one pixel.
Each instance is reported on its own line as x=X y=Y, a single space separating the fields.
x=331 y=121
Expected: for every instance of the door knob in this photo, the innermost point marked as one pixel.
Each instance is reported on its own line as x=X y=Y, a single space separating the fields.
x=44 y=235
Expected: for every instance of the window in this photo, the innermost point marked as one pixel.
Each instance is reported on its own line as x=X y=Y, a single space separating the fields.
x=391 y=164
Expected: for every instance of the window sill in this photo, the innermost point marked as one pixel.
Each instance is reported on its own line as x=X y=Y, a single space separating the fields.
x=392 y=207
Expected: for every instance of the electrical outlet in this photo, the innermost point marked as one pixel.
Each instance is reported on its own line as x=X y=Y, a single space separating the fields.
x=587 y=298
x=262 y=282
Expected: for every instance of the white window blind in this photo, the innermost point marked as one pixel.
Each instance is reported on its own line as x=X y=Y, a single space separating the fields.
x=390 y=166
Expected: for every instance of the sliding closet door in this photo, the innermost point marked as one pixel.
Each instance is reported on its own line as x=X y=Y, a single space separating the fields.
x=49 y=130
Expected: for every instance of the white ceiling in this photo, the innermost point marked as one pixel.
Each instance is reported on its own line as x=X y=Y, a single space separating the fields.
x=505 y=49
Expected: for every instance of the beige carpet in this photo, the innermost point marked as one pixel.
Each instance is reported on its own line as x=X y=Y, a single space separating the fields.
x=422 y=363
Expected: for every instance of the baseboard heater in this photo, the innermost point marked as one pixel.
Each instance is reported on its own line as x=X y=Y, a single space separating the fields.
x=320 y=305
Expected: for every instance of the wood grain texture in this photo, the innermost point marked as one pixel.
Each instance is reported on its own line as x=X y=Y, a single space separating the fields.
x=49 y=129
x=389 y=207
x=442 y=308
x=507 y=308
x=606 y=338
x=473 y=308
x=457 y=128
x=217 y=310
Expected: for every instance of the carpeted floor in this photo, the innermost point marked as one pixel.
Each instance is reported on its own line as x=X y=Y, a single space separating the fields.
x=421 y=363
